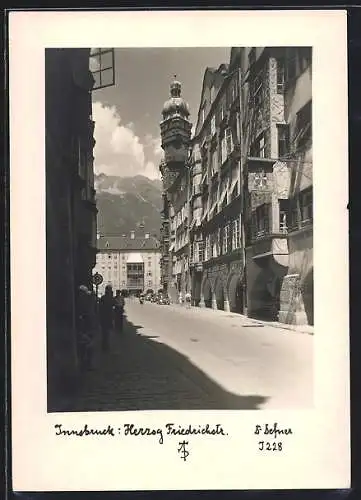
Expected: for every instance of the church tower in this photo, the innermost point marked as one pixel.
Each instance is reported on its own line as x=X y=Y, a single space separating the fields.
x=176 y=130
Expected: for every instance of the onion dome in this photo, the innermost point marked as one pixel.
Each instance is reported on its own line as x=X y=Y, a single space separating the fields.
x=175 y=105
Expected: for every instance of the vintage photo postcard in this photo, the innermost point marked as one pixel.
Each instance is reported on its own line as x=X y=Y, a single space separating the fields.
x=179 y=250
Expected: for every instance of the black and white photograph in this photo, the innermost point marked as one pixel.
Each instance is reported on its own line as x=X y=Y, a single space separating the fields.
x=179 y=228
x=179 y=260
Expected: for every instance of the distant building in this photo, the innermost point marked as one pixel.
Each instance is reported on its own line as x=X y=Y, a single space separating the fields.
x=129 y=262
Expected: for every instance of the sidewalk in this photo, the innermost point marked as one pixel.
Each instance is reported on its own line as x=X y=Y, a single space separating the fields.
x=246 y=321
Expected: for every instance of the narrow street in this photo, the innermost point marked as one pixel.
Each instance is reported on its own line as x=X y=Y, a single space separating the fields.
x=170 y=357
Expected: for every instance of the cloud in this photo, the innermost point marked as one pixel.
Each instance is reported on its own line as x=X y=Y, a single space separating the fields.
x=118 y=149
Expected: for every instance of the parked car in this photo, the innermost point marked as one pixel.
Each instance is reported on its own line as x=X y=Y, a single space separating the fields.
x=163 y=300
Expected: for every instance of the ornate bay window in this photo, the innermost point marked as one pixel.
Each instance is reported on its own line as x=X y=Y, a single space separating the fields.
x=261 y=221
x=301 y=209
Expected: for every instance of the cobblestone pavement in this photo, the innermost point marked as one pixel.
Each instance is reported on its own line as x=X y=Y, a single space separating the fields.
x=170 y=357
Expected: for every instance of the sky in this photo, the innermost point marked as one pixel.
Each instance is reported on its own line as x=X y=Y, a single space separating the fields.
x=127 y=115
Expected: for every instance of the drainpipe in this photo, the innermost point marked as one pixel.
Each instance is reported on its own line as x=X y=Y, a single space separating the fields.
x=243 y=191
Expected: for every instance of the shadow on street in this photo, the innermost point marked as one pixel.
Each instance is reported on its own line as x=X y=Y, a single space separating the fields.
x=140 y=373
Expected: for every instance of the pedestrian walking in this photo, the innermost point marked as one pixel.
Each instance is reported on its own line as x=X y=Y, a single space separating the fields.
x=119 y=311
x=180 y=298
x=86 y=326
x=106 y=311
x=188 y=298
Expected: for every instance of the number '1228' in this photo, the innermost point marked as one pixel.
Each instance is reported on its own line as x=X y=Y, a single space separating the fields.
x=266 y=446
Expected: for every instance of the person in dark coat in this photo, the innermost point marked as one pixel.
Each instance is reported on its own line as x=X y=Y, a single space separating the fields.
x=106 y=311
x=119 y=311
x=85 y=328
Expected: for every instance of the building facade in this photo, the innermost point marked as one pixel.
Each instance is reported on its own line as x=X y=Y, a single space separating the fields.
x=273 y=94
x=217 y=261
x=129 y=262
x=249 y=245
x=70 y=207
x=175 y=135
x=296 y=304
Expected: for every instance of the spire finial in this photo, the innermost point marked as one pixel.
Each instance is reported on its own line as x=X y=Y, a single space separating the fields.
x=175 y=87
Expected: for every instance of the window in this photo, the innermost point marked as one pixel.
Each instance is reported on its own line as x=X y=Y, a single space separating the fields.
x=211 y=94
x=257 y=90
x=214 y=163
x=280 y=75
x=213 y=125
x=223 y=149
x=235 y=234
x=234 y=91
x=149 y=273
x=259 y=147
x=283 y=205
x=208 y=248
x=101 y=65
x=260 y=223
x=303 y=135
x=109 y=256
x=283 y=140
x=214 y=245
x=225 y=239
x=229 y=141
x=221 y=112
x=306 y=206
x=200 y=251
x=203 y=113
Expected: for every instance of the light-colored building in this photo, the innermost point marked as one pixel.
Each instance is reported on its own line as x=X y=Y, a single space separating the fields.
x=277 y=165
x=296 y=304
x=129 y=262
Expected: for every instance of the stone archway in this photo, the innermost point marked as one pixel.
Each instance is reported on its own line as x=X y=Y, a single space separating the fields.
x=219 y=293
x=261 y=299
x=207 y=292
x=235 y=294
x=307 y=296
